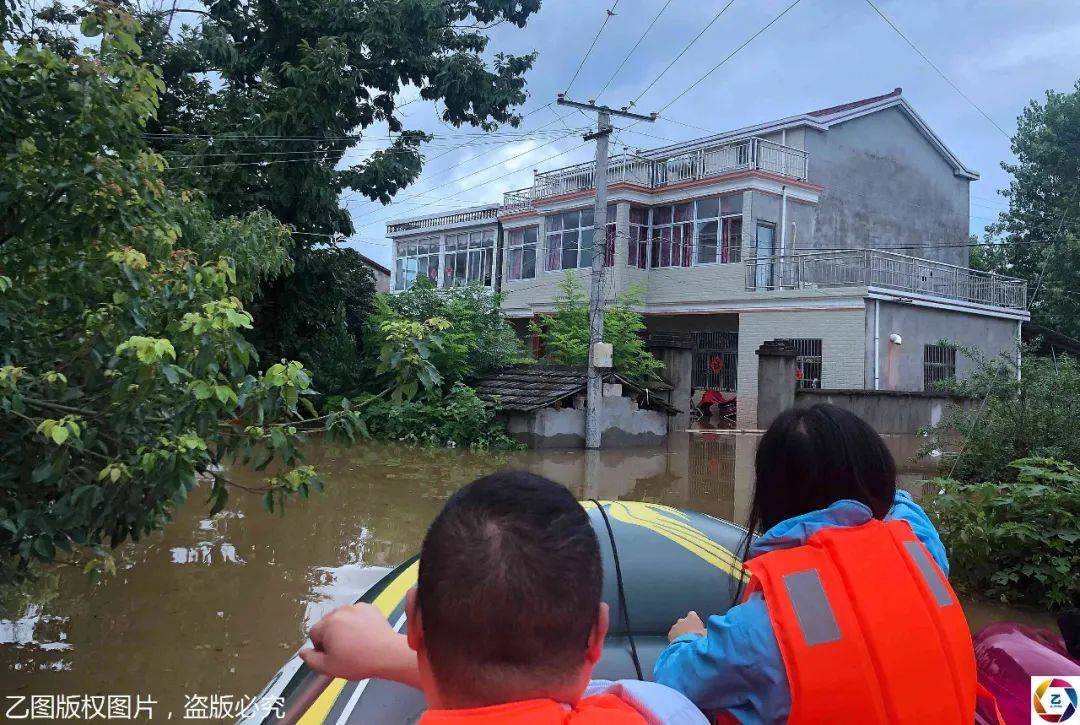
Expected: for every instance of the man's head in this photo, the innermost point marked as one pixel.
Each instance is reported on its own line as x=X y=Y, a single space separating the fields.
x=507 y=605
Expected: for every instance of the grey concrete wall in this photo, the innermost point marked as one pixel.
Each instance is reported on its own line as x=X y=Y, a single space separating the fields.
x=679 y=371
x=623 y=425
x=888 y=411
x=901 y=366
x=841 y=331
x=886 y=185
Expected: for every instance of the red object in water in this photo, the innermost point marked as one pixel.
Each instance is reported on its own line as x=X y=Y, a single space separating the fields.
x=711 y=397
x=1007 y=656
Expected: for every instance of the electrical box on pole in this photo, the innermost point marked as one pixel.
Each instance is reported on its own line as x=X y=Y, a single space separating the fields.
x=594 y=390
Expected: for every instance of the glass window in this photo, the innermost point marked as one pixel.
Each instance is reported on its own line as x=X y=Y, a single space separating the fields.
x=939 y=365
x=416 y=258
x=570 y=239
x=731 y=204
x=522 y=253
x=765 y=250
x=708 y=208
x=468 y=258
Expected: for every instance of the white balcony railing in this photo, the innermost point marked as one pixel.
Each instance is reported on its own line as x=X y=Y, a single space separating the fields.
x=433 y=222
x=877 y=268
x=650 y=172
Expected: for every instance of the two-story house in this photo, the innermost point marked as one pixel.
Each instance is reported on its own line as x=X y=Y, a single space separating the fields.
x=844 y=230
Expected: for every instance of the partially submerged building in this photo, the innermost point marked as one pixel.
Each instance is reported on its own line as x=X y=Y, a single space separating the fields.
x=843 y=230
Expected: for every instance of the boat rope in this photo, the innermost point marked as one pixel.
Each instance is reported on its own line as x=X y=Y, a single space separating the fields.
x=622 y=590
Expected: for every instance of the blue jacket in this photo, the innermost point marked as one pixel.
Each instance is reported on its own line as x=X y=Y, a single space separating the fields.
x=737 y=666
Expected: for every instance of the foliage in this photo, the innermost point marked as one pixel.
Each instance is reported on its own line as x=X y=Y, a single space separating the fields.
x=300 y=86
x=565 y=334
x=458 y=419
x=1040 y=232
x=1034 y=415
x=477 y=340
x=1018 y=539
x=125 y=376
x=405 y=357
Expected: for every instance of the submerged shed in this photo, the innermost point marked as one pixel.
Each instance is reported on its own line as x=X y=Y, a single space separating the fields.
x=543 y=406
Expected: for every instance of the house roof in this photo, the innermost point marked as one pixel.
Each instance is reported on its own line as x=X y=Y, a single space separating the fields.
x=824 y=118
x=373 y=264
x=525 y=388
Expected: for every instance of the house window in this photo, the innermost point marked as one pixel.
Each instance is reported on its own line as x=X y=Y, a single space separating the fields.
x=468 y=258
x=672 y=235
x=522 y=253
x=765 y=249
x=416 y=258
x=807 y=361
x=638 y=249
x=570 y=239
x=939 y=364
x=719 y=229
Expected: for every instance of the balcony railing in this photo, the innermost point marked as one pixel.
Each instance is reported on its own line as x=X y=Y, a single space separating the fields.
x=434 y=222
x=650 y=172
x=877 y=268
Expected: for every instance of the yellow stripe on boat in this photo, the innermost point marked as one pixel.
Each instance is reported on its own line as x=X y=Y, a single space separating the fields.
x=678 y=532
x=388 y=600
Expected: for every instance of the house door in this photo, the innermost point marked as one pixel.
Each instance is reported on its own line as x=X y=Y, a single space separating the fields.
x=765 y=274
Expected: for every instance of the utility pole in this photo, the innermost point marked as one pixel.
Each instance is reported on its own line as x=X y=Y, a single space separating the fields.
x=594 y=391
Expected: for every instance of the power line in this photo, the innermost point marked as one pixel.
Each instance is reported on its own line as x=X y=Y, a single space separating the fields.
x=731 y=55
x=682 y=52
x=938 y=70
x=632 y=49
x=610 y=14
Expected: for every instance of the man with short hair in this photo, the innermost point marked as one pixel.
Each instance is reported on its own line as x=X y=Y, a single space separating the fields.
x=505 y=623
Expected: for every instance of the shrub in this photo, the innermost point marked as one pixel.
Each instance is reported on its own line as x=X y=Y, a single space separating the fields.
x=1014 y=540
x=458 y=419
x=565 y=334
x=1013 y=419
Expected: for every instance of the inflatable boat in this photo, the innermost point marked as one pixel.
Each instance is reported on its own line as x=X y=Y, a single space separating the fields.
x=667 y=561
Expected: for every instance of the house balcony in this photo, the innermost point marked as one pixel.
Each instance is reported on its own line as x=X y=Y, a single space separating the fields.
x=888 y=270
x=653 y=172
x=462 y=217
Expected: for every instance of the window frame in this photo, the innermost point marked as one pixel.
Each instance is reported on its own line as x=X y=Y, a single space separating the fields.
x=581 y=250
x=728 y=243
x=404 y=277
x=478 y=253
x=522 y=245
x=947 y=361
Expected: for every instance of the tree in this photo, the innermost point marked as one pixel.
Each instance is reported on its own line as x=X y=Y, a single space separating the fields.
x=565 y=334
x=1039 y=235
x=125 y=377
x=265 y=103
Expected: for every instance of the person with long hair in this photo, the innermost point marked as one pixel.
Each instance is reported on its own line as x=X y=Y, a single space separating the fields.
x=847 y=614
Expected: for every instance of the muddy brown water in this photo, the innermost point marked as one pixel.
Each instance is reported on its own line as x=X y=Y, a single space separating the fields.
x=214 y=605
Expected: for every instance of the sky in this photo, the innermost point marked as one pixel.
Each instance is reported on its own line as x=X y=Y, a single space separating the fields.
x=1000 y=54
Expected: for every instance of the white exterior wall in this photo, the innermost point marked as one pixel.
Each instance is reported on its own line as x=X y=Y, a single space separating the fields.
x=843 y=334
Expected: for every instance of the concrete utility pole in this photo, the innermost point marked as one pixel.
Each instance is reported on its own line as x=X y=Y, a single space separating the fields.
x=594 y=401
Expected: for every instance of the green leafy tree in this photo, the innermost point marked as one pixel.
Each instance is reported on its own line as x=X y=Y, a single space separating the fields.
x=477 y=339
x=266 y=106
x=1015 y=538
x=125 y=376
x=565 y=334
x=1039 y=235
x=1012 y=416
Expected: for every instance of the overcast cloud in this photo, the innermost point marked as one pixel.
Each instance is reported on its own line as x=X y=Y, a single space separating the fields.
x=823 y=52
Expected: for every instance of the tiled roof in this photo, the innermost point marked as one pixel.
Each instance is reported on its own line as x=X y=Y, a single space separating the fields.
x=531 y=387
x=832 y=110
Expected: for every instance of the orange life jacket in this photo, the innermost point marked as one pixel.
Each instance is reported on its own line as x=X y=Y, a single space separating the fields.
x=869 y=629
x=597 y=710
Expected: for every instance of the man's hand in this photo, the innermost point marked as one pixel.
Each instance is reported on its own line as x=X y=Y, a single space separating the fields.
x=690 y=624
x=356 y=643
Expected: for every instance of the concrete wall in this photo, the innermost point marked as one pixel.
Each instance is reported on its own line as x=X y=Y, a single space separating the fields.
x=887 y=411
x=623 y=425
x=842 y=331
x=901 y=366
x=886 y=185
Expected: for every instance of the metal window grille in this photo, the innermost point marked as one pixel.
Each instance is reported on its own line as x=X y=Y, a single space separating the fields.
x=716 y=360
x=712 y=474
x=807 y=361
x=939 y=364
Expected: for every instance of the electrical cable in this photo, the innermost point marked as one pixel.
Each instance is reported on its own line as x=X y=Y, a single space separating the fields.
x=631 y=51
x=622 y=591
x=610 y=14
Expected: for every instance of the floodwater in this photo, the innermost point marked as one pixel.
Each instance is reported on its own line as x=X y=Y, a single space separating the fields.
x=212 y=606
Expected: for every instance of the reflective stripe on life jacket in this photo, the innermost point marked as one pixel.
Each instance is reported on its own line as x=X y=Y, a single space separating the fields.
x=604 y=709
x=869 y=629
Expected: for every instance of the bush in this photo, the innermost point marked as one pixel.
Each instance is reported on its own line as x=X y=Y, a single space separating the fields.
x=478 y=340
x=459 y=419
x=1014 y=540
x=566 y=333
x=1013 y=419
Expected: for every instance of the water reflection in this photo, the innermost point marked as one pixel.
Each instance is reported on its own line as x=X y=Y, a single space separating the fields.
x=216 y=604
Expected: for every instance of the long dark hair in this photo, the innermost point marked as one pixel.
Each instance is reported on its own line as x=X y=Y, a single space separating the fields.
x=809 y=459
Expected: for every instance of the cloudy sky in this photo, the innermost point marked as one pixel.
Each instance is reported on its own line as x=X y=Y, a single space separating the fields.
x=1000 y=53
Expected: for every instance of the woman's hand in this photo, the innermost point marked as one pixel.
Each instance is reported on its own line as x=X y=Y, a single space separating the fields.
x=690 y=624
